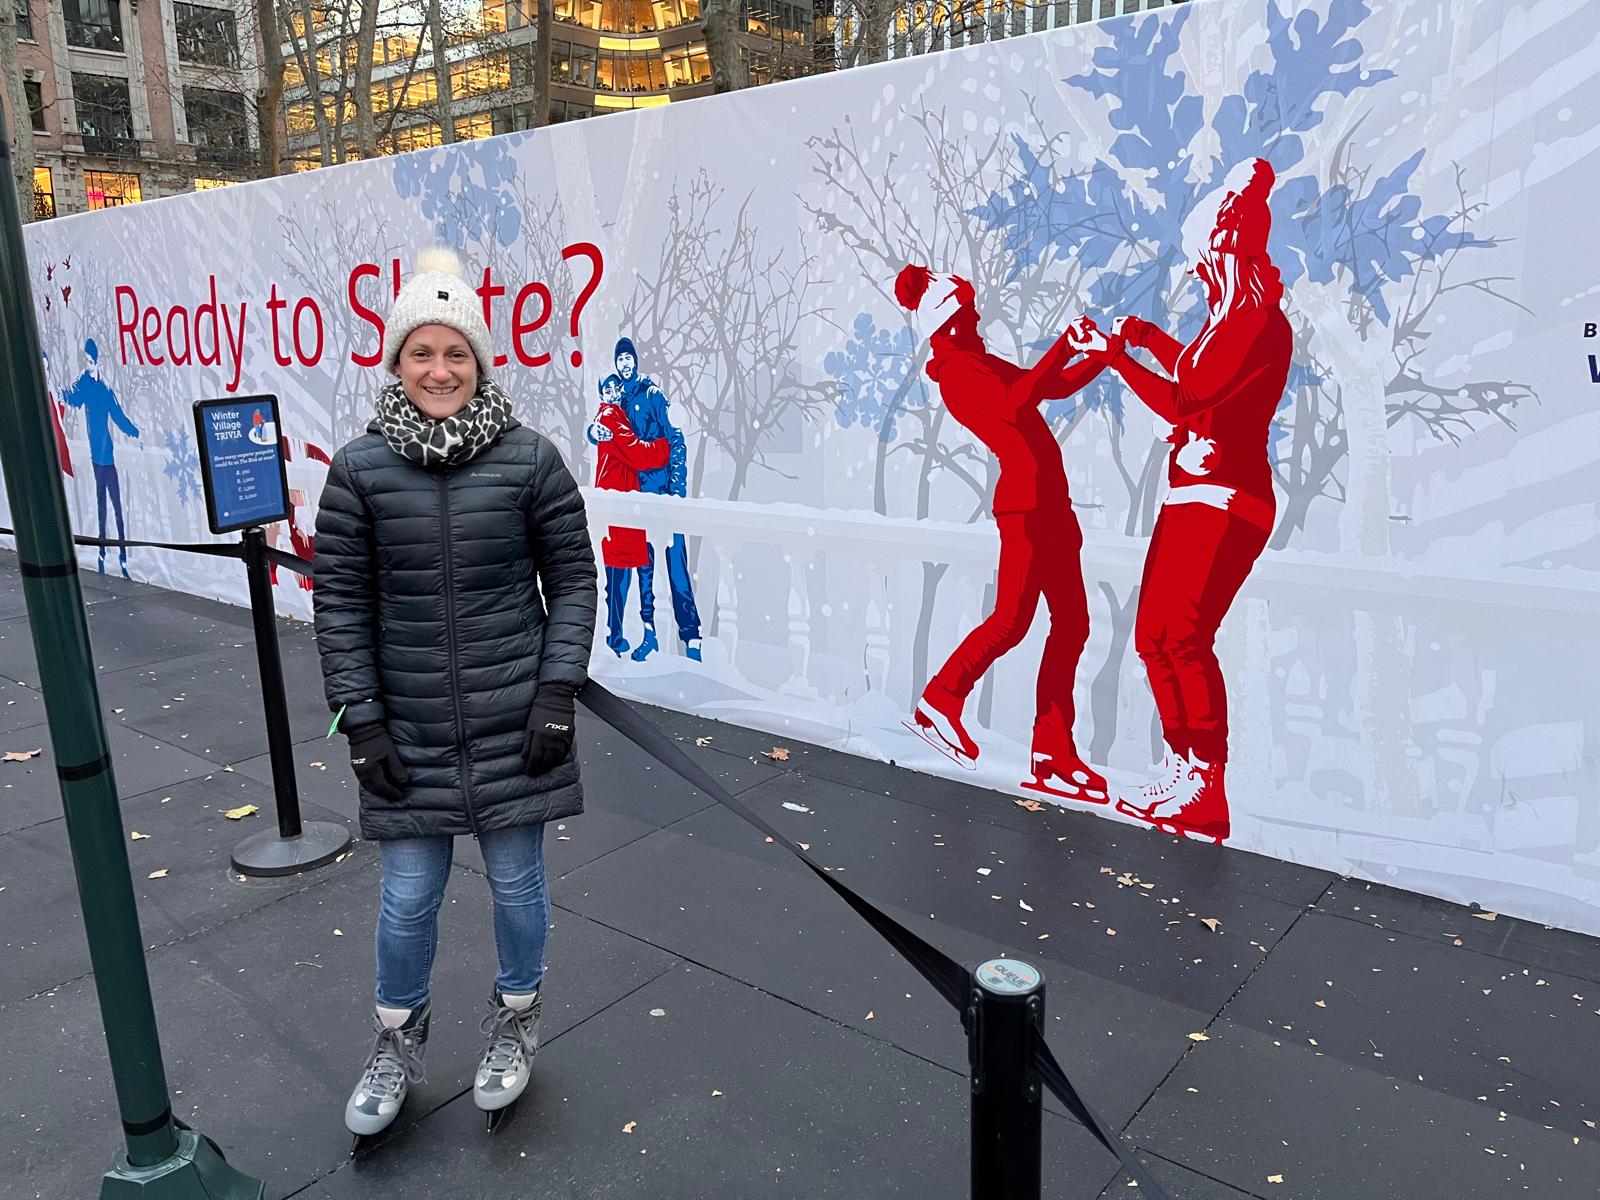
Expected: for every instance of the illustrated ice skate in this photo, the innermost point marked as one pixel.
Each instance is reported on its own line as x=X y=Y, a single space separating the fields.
x=1066 y=775
x=512 y=1027
x=937 y=721
x=647 y=644
x=1196 y=805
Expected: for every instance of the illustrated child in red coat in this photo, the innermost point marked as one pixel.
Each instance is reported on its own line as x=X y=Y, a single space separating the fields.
x=1219 y=394
x=1040 y=542
x=619 y=457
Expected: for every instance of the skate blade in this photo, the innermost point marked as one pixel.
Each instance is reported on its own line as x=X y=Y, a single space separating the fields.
x=1083 y=795
x=496 y=1117
x=953 y=753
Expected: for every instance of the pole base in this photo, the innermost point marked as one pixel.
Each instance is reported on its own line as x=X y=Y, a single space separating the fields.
x=196 y=1172
x=267 y=853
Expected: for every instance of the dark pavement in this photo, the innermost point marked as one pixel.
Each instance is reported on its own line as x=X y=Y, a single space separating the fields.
x=1326 y=1039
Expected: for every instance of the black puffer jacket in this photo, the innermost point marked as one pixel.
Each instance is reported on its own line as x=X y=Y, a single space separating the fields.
x=429 y=617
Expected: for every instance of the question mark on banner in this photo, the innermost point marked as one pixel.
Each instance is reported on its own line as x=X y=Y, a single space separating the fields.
x=592 y=252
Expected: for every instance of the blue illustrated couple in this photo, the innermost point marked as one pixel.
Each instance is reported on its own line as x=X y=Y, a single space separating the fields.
x=639 y=449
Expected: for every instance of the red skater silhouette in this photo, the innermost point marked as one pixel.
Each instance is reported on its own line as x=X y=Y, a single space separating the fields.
x=1223 y=390
x=1040 y=542
x=302 y=540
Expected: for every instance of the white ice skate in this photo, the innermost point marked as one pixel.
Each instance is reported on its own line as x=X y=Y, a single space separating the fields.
x=393 y=1066
x=512 y=1027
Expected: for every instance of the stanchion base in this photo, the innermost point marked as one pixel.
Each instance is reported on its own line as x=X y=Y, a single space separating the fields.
x=196 y=1172
x=266 y=853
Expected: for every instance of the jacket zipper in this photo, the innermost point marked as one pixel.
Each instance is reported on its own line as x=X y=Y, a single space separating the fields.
x=450 y=643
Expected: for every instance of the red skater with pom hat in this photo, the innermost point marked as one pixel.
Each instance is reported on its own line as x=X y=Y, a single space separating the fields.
x=1040 y=542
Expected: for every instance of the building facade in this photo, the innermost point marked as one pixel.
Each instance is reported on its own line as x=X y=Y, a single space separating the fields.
x=134 y=99
x=606 y=56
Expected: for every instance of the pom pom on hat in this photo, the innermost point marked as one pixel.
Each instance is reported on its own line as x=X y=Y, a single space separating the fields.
x=437 y=295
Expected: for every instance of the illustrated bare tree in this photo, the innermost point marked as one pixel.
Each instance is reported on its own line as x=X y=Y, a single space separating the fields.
x=318 y=256
x=722 y=320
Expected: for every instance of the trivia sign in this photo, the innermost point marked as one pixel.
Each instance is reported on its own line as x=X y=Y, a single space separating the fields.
x=241 y=460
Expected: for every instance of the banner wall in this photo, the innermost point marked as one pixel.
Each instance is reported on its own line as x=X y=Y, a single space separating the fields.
x=1375 y=499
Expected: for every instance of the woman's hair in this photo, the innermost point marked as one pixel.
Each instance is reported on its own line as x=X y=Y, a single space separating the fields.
x=1234 y=286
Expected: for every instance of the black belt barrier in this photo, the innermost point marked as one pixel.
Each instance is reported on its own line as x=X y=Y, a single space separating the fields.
x=948 y=977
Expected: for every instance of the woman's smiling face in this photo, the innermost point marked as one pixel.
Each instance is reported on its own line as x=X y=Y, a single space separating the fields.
x=438 y=371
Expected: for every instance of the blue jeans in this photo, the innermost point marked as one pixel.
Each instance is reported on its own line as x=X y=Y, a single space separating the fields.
x=684 y=610
x=415 y=871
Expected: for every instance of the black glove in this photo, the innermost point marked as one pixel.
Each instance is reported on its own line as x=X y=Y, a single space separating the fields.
x=548 y=739
x=376 y=762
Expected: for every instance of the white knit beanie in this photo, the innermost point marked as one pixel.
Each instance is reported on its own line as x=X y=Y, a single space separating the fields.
x=437 y=295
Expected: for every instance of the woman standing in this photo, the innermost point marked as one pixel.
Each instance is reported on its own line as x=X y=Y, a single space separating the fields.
x=1219 y=394
x=455 y=608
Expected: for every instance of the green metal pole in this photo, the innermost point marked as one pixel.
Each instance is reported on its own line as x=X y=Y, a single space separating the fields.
x=162 y=1159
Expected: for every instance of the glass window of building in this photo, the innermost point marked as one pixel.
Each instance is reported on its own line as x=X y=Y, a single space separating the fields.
x=44 y=194
x=108 y=189
x=24 y=22
x=105 y=115
x=94 y=24
x=572 y=63
x=218 y=127
x=35 y=93
x=210 y=185
x=478 y=75
x=569 y=110
x=207 y=35
x=480 y=125
x=687 y=65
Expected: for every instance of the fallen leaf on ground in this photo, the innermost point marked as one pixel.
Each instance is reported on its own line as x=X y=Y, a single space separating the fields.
x=1274 y=1178
x=338 y=933
x=1483 y=916
x=983 y=870
x=804 y=845
x=1322 y=1004
x=776 y=754
x=21 y=755
x=1199 y=1037
x=1030 y=805
x=1107 y=871
x=630 y=1127
x=1111 y=933
x=1211 y=923
x=793 y=807
x=139 y=837
x=703 y=741
x=1125 y=880
x=240 y=813
x=658 y=1012
x=116 y=710
x=161 y=874
x=1025 y=906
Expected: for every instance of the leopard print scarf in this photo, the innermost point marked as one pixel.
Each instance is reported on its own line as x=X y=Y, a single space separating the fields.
x=445 y=443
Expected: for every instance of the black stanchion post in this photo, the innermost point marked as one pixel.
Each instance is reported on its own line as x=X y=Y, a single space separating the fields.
x=296 y=846
x=1004 y=1020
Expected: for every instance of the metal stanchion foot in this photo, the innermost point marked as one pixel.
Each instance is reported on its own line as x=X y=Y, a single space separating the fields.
x=269 y=853
x=196 y=1172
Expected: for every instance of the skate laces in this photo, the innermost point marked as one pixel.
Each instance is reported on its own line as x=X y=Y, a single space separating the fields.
x=1172 y=771
x=392 y=1064
x=510 y=1034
